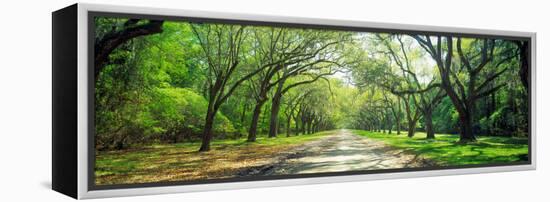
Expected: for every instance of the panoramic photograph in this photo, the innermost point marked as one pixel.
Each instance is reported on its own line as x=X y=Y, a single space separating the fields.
x=189 y=101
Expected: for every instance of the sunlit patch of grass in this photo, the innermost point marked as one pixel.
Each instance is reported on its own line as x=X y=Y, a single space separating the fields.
x=445 y=150
x=182 y=161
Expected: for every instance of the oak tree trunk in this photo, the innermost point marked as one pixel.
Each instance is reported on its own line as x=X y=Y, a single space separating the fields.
x=296 y=125
x=254 y=123
x=524 y=63
x=398 y=117
x=466 y=129
x=207 y=133
x=274 y=118
x=275 y=106
x=412 y=128
x=430 y=134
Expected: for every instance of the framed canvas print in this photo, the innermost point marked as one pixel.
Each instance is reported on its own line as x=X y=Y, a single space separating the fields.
x=151 y=101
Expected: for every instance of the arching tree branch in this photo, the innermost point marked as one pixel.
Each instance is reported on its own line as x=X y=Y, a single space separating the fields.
x=110 y=41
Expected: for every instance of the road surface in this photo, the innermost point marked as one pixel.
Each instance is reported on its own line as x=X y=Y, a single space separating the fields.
x=341 y=151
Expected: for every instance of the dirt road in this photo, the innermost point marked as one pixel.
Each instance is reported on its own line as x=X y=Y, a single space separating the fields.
x=341 y=151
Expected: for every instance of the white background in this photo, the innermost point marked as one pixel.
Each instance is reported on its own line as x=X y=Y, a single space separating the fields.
x=25 y=99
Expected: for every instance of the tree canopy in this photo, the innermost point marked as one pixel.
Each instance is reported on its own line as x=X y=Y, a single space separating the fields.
x=171 y=82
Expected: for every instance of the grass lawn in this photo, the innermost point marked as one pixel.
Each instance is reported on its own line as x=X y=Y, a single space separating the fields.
x=445 y=151
x=181 y=162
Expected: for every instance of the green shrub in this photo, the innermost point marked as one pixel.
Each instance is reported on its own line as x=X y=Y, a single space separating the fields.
x=181 y=113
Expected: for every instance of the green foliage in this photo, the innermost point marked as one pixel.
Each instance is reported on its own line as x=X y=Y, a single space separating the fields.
x=137 y=100
x=183 y=109
x=445 y=117
x=157 y=88
x=161 y=96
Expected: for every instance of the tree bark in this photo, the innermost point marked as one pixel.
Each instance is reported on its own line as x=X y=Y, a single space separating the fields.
x=274 y=118
x=387 y=123
x=466 y=129
x=207 y=133
x=489 y=110
x=254 y=123
x=390 y=125
x=304 y=122
x=524 y=63
x=398 y=127
x=383 y=124
x=412 y=129
x=296 y=125
x=430 y=134
x=275 y=106
x=398 y=117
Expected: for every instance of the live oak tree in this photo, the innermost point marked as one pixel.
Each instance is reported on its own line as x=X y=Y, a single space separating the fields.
x=294 y=104
x=324 y=55
x=425 y=95
x=316 y=117
x=320 y=71
x=412 y=112
x=393 y=103
x=268 y=53
x=371 y=110
x=222 y=52
x=460 y=79
x=284 y=53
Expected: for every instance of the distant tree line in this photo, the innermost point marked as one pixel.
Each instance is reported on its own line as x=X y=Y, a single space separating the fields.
x=471 y=86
